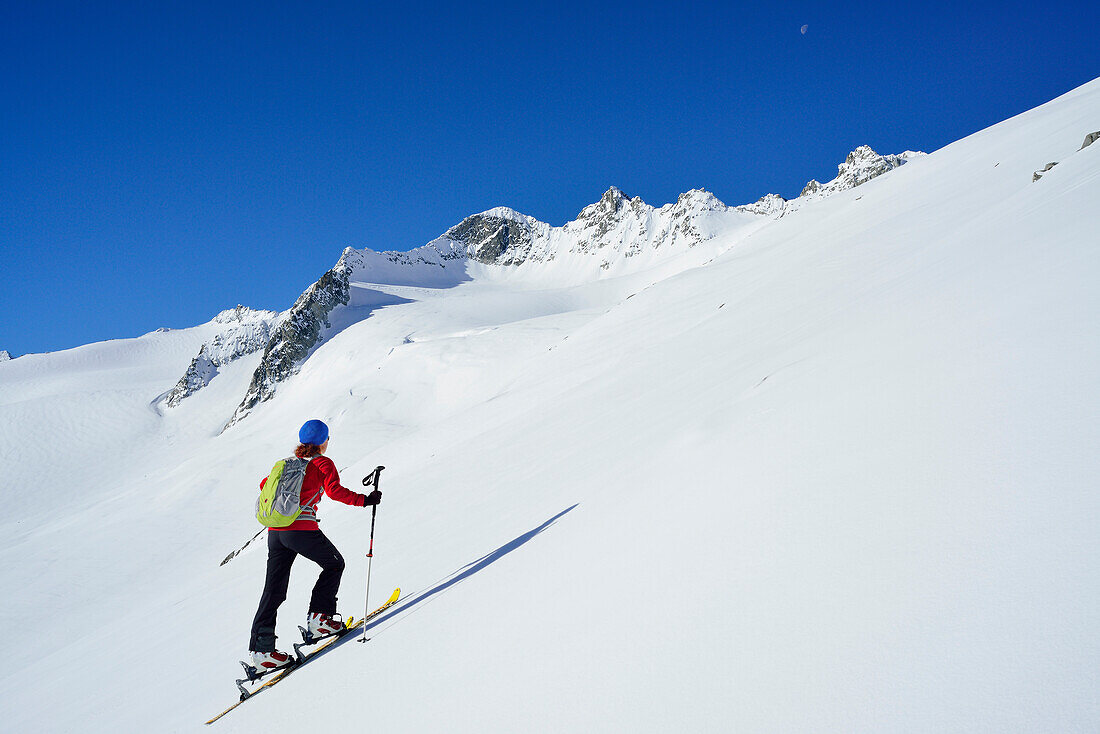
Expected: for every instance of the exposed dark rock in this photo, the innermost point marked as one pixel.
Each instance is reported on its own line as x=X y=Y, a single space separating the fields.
x=296 y=336
x=490 y=238
x=1039 y=174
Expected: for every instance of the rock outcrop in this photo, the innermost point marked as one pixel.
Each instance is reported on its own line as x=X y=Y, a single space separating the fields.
x=1039 y=174
x=1089 y=140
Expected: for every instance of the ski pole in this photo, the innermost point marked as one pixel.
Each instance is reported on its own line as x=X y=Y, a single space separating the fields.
x=371 y=479
x=237 y=552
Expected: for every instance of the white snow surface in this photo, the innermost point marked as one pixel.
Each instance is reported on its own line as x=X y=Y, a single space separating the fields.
x=836 y=473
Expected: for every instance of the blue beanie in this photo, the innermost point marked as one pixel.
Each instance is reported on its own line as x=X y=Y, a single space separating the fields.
x=314 y=432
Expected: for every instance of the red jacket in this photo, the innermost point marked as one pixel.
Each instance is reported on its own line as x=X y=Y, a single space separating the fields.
x=321 y=478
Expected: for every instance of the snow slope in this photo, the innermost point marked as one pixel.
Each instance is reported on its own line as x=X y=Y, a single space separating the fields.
x=836 y=474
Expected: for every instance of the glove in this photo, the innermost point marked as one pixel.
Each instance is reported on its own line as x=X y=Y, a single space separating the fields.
x=373 y=498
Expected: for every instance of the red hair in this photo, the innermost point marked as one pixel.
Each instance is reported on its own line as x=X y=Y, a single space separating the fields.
x=307 y=450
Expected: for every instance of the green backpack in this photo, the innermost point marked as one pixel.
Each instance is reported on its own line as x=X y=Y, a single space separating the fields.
x=280 y=500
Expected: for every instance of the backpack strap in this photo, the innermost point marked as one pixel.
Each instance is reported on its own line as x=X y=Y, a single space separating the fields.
x=317 y=497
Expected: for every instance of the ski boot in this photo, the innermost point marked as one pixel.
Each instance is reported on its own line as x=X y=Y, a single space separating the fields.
x=263 y=663
x=320 y=625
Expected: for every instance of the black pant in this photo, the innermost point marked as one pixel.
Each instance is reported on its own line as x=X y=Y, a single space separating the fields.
x=282 y=548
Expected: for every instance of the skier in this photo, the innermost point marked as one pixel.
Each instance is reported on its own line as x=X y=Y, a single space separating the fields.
x=304 y=537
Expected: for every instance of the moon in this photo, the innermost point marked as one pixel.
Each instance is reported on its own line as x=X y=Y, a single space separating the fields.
x=804 y=29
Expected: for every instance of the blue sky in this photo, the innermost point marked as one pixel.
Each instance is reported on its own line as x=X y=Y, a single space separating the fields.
x=162 y=162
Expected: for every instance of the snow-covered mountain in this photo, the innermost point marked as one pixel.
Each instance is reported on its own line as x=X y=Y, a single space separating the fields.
x=5 y=355
x=605 y=239
x=819 y=465
x=615 y=236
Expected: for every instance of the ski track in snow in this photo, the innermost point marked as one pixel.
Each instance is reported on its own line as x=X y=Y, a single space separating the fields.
x=832 y=472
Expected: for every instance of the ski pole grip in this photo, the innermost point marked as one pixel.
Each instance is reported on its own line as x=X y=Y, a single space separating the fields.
x=373 y=478
x=370 y=480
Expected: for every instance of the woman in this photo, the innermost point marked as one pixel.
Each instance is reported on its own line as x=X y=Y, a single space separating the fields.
x=304 y=537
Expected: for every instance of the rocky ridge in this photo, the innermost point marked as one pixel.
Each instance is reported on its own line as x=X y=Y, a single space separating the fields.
x=859 y=167
x=296 y=334
x=615 y=227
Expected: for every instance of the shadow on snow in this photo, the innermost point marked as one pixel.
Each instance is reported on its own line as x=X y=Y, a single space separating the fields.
x=457 y=577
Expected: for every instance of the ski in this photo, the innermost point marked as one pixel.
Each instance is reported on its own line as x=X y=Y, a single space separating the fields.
x=319 y=645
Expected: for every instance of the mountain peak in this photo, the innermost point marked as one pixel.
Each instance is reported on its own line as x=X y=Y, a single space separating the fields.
x=859 y=167
x=862 y=153
x=502 y=212
x=611 y=202
x=700 y=199
x=863 y=164
x=609 y=206
x=243 y=314
x=766 y=205
x=494 y=233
